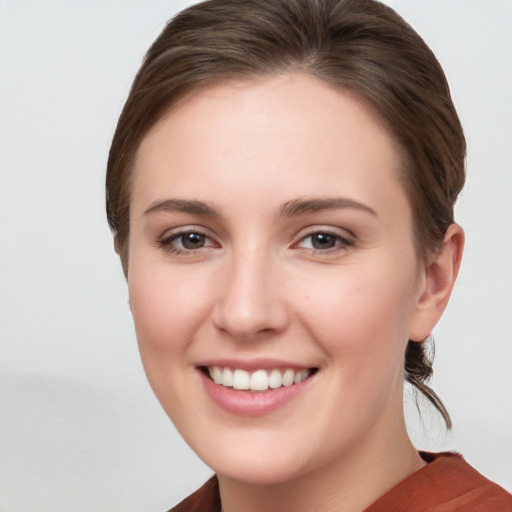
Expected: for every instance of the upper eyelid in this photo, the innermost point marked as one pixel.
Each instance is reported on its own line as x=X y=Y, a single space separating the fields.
x=169 y=242
x=301 y=234
x=179 y=234
x=183 y=230
x=343 y=241
x=171 y=235
x=331 y=230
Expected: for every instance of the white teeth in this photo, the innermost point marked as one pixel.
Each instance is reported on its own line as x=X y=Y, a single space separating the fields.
x=300 y=376
x=241 y=379
x=288 y=377
x=227 y=377
x=260 y=380
x=275 y=380
x=216 y=375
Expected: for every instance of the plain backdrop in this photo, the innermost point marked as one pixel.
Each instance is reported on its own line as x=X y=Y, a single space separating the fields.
x=80 y=428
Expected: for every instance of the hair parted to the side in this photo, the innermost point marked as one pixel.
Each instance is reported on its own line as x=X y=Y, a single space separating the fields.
x=356 y=45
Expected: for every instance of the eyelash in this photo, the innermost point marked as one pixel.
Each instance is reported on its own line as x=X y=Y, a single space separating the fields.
x=167 y=242
x=341 y=242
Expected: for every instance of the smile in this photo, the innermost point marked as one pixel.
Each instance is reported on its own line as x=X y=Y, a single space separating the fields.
x=255 y=388
x=258 y=380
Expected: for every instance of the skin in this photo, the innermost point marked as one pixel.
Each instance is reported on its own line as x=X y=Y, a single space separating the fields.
x=259 y=287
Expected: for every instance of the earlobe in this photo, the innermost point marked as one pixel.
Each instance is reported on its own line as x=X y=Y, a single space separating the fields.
x=440 y=275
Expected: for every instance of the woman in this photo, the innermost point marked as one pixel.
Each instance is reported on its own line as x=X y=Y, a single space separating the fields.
x=281 y=187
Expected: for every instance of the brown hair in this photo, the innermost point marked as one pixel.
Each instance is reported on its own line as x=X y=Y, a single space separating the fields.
x=358 y=45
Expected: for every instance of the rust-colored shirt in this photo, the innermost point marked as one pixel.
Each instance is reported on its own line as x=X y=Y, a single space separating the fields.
x=446 y=484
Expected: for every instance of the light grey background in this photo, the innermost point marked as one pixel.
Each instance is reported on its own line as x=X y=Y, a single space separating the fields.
x=80 y=428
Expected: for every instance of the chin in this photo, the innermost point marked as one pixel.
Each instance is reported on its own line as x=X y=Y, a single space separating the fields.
x=262 y=472
x=257 y=463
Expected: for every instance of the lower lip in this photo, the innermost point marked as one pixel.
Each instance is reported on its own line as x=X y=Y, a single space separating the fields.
x=252 y=404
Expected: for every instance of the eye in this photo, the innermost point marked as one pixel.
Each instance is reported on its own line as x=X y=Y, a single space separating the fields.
x=190 y=241
x=186 y=241
x=324 y=241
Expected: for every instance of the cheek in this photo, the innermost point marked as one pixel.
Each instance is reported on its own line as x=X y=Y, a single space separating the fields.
x=358 y=299
x=362 y=326
x=362 y=314
x=167 y=307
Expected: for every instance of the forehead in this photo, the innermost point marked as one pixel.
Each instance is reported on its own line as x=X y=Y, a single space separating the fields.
x=257 y=133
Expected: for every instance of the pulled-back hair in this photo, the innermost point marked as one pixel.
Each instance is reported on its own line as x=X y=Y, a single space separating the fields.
x=356 y=45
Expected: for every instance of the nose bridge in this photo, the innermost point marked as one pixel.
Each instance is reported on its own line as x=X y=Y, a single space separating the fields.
x=250 y=301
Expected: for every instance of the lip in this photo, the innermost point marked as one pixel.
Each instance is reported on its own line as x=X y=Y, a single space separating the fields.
x=247 y=403
x=252 y=365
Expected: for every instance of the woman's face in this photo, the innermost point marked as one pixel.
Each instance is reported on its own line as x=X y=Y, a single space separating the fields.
x=271 y=240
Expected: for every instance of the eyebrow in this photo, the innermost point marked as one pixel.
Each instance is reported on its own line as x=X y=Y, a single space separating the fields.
x=192 y=206
x=304 y=205
x=297 y=206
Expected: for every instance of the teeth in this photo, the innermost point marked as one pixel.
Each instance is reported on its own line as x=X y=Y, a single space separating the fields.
x=260 y=380
x=216 y=374
x=241 y=379
x=227 y=377
x=275 y=380
x=288 y=377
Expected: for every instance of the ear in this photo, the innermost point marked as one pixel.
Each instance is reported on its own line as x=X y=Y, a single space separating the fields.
x=438 y=278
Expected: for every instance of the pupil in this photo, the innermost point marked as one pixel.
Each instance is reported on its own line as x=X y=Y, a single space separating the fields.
x=193 y=241
x=323 y=241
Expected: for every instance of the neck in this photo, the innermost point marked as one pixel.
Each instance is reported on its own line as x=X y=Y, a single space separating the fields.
x=350 y=483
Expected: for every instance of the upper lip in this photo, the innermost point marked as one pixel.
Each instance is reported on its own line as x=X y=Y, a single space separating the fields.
x=253 y=364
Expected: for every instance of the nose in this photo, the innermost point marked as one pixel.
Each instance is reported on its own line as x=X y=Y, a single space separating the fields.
x=250 y=302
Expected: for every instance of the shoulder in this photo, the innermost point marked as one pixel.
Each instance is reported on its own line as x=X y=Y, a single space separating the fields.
x=446 y=484
x=205 y=499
